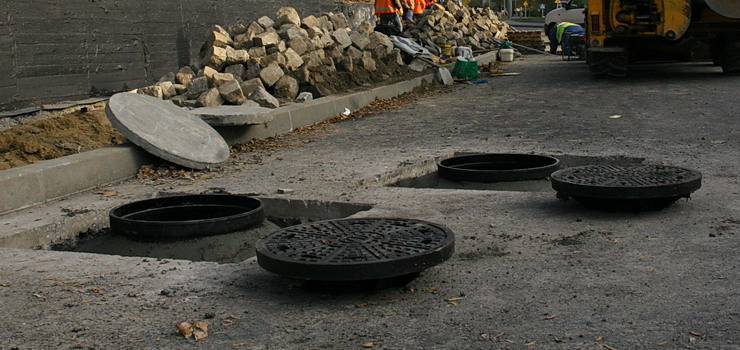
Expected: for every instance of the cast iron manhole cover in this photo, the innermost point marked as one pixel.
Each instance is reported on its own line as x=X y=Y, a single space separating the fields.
x=355 y=249
x=630 y=187
x=494 y=167
x=188 y=216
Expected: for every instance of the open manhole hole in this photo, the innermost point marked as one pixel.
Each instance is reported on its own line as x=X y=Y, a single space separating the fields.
x=497 y=167
x=235 y=244
x=626 y=187
x=186 y=216
x=367 y=251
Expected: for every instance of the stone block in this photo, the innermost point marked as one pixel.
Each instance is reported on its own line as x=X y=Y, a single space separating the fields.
x=365 y=26
x=168 y=90
x=180 y=88
x=289 y=32
x=304 y=97
x=219 y=39
x=398 y=57
x=215 y=57
x=311 y=60
x=236 y=56
x=184 y=101
x=313 y=31
x=210 y=98
x=353 y=53
x=239 y=71
x=184 y=75
x=341 y=38
x=154 y=91
x=303 y=75
x=310 y=21
x=298 y=45
x=293 y=60
x=328 y=65
x=253 y=71
x=170 y=76
x=222 y=78
x=232 y=92
x=236 y=29
x=276 y=57
x=261 y=96
x=325 y=24
x=345 y=63
x=327 y=39
x=359 y=39
x=338 y=20
x=287 y=15
x=197 y=86
x=286 y=87
x=368 y=64
x=250 y=85
x=243 y=42
x=280 y=46
x=265 y=22
x=269 y=37
x=257 y=52
x=209 y=72
x=271 y=74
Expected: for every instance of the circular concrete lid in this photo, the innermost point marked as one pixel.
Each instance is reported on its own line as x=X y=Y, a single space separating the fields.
x=166 y=131
x=233 y=115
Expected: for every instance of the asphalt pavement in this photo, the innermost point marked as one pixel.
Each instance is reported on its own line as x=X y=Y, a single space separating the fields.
x=530 y=271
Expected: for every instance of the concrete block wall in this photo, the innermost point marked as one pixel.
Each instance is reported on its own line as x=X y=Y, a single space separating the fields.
x=52 y=50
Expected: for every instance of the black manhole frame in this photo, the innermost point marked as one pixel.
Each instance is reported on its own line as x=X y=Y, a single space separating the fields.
x=356 y=272
x=252 y=215
x=546 y=165
x=658 y=191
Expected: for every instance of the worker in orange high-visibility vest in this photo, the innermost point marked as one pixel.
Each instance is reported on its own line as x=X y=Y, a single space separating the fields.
x=389 y=13
x=419 y=7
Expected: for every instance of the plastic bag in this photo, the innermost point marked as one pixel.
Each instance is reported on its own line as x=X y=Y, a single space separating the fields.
x=465 y=70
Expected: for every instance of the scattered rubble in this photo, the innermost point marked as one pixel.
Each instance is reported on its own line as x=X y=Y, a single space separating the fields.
x=456 y=25
x=273 y=61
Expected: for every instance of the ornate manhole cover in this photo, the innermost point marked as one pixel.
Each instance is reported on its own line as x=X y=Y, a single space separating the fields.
x=355 y=249
x=187 y=216
x=632 y=187
x=497 y=167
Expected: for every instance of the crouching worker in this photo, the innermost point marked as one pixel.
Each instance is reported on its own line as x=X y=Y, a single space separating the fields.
x=559 y=36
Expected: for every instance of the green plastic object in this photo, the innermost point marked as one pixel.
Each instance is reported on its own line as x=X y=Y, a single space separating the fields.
x=505 y=44
x=465 y=70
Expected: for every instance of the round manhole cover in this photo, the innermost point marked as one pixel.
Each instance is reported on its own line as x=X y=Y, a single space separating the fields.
x=657 y=184
x=180 y=217
x=495 y=167
x=166 y=131
x=355 y=249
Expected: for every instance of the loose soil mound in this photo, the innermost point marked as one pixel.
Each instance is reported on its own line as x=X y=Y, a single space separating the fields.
x=56 y=137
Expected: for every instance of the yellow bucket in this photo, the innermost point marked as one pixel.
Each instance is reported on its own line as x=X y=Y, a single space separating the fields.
x=446 y=49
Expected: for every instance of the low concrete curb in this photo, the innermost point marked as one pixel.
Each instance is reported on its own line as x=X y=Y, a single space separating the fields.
x=40 y=182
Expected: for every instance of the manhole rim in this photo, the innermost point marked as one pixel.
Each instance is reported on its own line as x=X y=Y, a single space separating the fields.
x=183 y=229
x=447 y=171
x=358 y=271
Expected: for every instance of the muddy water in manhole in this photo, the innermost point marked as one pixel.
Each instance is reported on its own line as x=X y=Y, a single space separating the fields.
x=225 y=248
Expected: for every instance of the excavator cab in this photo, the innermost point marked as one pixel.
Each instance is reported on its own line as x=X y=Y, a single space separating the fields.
x=624 y=31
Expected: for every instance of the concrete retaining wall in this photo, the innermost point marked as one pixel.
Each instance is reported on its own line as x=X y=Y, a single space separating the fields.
x=55 y=50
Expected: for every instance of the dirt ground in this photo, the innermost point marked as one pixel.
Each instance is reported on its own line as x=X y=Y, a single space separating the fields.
x=86 y=129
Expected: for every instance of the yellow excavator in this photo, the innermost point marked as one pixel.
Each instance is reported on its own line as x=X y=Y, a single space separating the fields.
x=620 y=32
